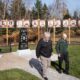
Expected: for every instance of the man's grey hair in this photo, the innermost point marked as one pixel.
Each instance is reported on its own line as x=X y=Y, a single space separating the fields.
x=64 y=35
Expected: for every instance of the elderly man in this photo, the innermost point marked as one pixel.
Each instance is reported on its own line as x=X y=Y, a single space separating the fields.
x=43 y=51
x=62 y=50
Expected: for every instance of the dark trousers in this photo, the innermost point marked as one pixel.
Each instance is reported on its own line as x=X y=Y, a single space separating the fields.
x=66 y=60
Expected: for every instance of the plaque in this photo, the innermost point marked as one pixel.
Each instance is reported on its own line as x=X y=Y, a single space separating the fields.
x=23 y=39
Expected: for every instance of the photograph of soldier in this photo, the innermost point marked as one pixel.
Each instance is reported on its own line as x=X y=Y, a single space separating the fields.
x=44 y=52
x=62 y=51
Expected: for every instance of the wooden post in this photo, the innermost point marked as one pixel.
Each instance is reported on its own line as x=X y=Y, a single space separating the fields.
x=38 y=29
x=23 y=23
x=54 y=30
x=7 y=30
x=69 y=32
x=38 y=24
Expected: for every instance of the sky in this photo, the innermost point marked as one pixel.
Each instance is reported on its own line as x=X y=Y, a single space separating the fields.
x=71 y=4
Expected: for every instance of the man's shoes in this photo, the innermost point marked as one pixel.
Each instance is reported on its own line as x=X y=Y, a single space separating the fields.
x=45 y=78
x=65 y=72
x=59 y=70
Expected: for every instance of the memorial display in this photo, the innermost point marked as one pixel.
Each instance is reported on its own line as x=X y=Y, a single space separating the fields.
x=23 y=39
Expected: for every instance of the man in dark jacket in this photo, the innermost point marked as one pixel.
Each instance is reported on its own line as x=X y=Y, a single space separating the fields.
x=62 y=50
x=43 y=51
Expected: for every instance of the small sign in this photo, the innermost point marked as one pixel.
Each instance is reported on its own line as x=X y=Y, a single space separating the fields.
x=35 y=23
x=4 y=23
x=23 y=39
x=50 y=23
x=26 y=23
x=66 y=23
x=57 y=23
x=10 y=23
x=73 y=23
x=19 y=24
x=42 y=23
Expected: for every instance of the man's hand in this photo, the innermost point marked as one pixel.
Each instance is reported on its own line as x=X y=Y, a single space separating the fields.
x=38 y=59
x=59 y=55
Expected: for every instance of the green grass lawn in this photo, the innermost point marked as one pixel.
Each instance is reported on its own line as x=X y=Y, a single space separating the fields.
x=16 y=74
x=74 y=57
x=6 y=49
x=74 y=60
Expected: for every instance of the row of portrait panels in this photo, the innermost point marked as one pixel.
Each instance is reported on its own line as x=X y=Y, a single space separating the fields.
x=41 y=23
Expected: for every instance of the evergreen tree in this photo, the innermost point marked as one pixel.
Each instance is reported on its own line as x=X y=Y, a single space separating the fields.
x=45 y=11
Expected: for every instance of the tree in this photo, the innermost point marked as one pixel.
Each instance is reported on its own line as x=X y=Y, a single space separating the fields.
x=17 y=9
x=51 y=11
x=37 y=10
x=75 y=16
x=67 y=15
x=34 y=13
x=58 y=9
x=4 y=14
x=3 y=10
x=45 y=11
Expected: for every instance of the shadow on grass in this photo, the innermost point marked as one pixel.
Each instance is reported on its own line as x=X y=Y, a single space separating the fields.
x=55 y=65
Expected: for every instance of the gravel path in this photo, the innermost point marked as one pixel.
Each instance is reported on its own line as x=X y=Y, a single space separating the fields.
x=30 y=64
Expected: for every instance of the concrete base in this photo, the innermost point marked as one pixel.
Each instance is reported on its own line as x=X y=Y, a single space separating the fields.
x=0 y=56
x=32 y=54
x=24 y=52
